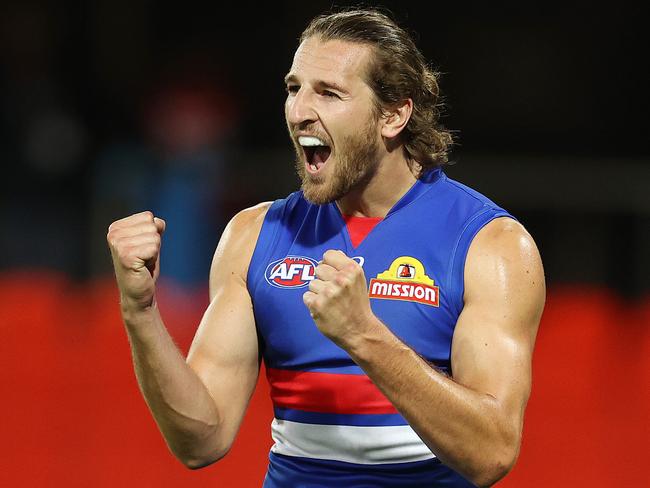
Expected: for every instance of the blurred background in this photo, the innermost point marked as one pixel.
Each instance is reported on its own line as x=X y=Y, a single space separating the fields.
x=111 y=107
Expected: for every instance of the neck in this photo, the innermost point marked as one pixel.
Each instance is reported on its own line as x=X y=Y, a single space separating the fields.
x=377 y=196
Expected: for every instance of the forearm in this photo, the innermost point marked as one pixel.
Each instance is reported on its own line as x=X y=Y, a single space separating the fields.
x=465 y=429
x=179 y=402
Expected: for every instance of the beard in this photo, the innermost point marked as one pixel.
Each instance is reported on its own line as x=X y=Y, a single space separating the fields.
x=356 y=163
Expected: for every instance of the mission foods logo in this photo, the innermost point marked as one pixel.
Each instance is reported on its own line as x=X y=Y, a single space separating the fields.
x=290 y=272
x=405 y=279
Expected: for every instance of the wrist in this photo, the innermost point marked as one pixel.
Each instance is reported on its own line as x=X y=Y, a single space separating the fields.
x=134 y=310
x=371 y=333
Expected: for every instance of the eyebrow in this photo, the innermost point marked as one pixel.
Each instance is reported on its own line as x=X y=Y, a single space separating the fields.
x=326 y=85
x=289 y=78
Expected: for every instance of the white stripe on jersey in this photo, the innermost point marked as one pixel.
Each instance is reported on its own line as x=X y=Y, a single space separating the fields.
x=352 y=444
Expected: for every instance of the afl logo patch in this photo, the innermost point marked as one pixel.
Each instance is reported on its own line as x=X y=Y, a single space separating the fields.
x=290 y=272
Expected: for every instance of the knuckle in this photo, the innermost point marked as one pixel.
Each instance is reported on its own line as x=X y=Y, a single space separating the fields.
x=119 y=241
x=330 y=292
x=153 y=237
x=308 y=299
x=115 y=225
x=112 y=232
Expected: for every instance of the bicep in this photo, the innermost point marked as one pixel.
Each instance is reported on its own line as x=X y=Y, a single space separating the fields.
x=495 y=333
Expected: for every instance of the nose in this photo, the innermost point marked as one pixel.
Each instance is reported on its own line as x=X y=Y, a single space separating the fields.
x=300 y=108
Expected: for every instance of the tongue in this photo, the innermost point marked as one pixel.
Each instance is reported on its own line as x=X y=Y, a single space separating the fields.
x=320 y=155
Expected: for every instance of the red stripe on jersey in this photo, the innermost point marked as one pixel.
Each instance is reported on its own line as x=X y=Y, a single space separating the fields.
x=326 y=393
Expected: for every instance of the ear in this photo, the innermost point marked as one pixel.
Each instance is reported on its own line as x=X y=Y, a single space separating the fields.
x=396 y=118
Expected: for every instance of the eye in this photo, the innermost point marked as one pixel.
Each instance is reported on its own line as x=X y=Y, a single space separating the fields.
x=293 y=89
x=329 y=94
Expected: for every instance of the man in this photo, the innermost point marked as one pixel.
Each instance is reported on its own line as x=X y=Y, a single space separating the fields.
x=396 y=310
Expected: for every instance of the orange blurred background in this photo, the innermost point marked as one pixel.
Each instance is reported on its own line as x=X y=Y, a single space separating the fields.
x=73 y=416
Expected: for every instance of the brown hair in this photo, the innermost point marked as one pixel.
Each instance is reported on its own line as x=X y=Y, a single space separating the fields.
x=397 y=72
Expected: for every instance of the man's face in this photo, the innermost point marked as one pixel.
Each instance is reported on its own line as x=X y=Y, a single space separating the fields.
x=330 y=117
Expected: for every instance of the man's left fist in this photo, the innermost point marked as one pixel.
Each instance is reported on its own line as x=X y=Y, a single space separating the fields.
x=338 y=299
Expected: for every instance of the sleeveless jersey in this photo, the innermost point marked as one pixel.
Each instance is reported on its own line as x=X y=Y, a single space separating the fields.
x=332 y=425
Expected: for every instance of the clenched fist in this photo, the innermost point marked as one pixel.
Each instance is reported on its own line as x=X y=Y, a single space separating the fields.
x=338 y=299
x=135 y=247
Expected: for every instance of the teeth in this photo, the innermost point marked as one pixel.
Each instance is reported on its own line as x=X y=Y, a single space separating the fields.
x=310 y=141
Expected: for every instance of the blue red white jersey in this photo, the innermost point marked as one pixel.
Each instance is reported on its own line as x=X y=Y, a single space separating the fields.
x=332 y=425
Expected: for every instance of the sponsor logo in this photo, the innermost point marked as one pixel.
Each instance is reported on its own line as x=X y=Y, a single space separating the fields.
x=290 y=272
x=405 y=279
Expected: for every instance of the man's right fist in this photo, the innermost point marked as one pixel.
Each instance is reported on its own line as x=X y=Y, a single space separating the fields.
x=135 y=247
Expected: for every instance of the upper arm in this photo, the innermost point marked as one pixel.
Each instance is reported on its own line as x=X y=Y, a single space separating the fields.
x=503 y=301
x=224 y=353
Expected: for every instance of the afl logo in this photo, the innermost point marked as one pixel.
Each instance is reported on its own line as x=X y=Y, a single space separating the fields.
x=290 y=272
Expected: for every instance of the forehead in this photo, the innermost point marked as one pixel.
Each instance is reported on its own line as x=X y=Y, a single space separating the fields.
x=338 y=60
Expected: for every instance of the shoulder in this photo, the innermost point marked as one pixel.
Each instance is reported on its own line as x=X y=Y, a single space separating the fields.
x=250 y=218
x=237 y=243
x=245 y=226
x=504 y=266
x=505 y=237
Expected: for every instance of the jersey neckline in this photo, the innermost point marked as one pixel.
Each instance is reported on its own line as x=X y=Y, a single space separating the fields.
x=419 y=188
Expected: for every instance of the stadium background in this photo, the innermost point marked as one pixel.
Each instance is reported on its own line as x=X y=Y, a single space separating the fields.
x=108 y=108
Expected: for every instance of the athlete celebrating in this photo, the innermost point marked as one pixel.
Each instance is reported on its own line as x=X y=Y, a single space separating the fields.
x=395 y=309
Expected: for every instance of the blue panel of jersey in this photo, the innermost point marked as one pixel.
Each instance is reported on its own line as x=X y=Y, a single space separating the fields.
x=434 y=222
x=287 y=471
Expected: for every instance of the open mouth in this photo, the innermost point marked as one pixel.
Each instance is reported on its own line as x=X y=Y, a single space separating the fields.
x=316 y=153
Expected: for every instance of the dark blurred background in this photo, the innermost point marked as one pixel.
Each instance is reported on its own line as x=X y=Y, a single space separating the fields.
x=112 y=107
